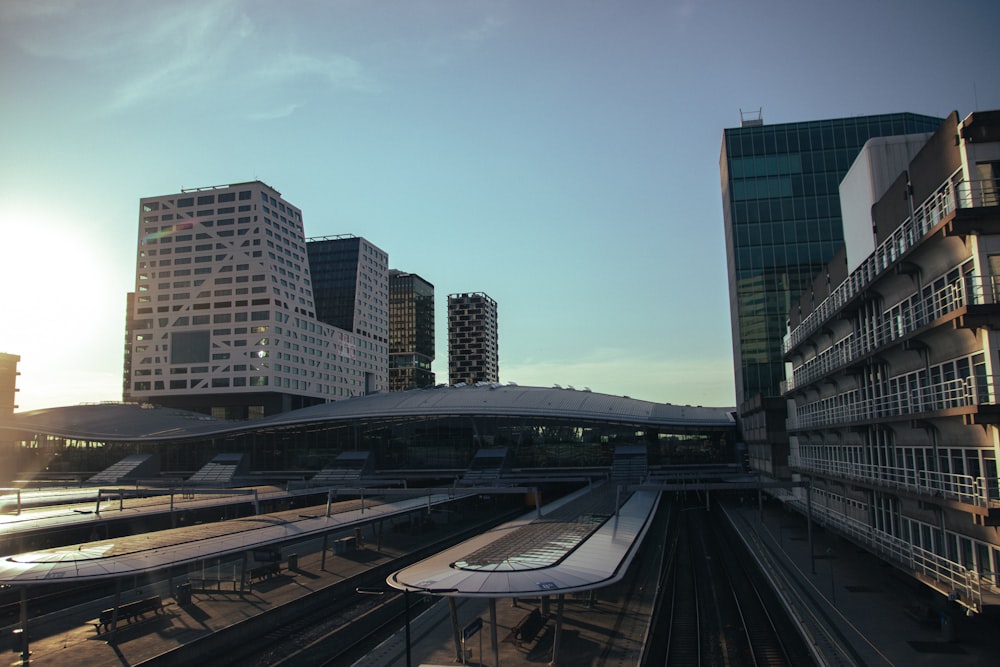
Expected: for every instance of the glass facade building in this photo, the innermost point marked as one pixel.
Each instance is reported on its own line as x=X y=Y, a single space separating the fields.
x=781 y=206
x=350 y=282
x=411 y=331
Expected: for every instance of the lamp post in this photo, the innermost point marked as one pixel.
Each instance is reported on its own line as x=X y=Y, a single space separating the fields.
x=833 y=589
x=406 y=613
x=406 y=609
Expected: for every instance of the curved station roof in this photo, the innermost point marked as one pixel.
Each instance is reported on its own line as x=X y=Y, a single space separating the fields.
x=136 y=554
x=143 y=422
x=583 y=542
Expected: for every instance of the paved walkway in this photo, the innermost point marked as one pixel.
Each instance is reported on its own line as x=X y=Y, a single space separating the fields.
x=884 y=616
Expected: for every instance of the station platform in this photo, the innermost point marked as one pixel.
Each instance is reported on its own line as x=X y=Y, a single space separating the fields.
x=858 y=609
x=881 y=615
x=611 y=621
x=69 y=636
x=596 y=624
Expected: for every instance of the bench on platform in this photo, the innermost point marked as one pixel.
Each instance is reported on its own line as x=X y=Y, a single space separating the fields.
x=212 y=585
x=529 y=626
x=262 y=572
x=131 y=612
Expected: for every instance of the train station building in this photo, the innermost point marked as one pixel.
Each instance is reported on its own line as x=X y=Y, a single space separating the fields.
x=433 y=432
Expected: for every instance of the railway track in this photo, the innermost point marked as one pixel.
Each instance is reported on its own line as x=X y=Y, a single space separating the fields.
x=715 y=607
x=346 y=622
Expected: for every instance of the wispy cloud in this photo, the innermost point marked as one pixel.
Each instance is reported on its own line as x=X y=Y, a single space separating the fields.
x=184 y=52
x=12 y=10
x=685 y=10
x=274 y=114
x=139 y=52
x=339 y=70
x=483 y=31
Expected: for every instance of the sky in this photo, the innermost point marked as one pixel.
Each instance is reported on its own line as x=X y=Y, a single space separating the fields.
x=561 y=156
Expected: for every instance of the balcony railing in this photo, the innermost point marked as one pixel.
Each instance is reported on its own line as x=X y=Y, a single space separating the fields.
x=952 y=194
x=892 y=326
x=851 y=407
x=978 y=491
x=949 y=574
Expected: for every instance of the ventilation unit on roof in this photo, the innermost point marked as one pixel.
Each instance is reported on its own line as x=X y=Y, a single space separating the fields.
x=747 y=119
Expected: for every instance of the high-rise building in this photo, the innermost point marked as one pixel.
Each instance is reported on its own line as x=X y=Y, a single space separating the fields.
x=8 y=403
x=411 y=331
x=472 y=339
x=127 y=366
x=782 y=219
x=223 y=319
x=8 y=382
x=350 y=282
x=893 y=400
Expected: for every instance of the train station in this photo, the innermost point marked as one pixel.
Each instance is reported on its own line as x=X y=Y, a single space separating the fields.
x=557 y=526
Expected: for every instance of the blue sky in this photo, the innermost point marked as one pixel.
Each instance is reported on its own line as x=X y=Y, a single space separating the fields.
x=561 y=156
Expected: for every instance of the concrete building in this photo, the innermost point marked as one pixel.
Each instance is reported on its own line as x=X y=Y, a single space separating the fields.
x=350 y=280
x=472 y=339
x=8 y=382
x=411 y=331
x=8 y=403
x=782 y=221
x=893 y=410
x=224 y=320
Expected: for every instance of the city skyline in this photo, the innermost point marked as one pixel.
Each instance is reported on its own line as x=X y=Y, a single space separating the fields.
x=564 y=162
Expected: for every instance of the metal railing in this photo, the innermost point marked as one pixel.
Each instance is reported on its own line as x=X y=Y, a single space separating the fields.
x=890 y=327
x=850 y=407
x=952 y=194
x=949 y=574
x=978 y=491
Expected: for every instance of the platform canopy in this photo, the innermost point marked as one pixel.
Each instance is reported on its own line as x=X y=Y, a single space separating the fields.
x=137 y=554
x=583 y=542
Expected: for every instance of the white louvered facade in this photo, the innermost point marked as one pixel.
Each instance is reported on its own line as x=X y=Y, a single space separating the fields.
x=224 y=309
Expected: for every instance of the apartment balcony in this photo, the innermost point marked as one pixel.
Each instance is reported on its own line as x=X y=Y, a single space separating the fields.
x=952 y=195
x=973 y=301
x=966 y=397
x=978 y=496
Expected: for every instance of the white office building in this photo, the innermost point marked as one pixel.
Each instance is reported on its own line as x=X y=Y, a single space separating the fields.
x=223 y=319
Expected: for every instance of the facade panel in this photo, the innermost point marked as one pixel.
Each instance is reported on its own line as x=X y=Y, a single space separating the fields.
x=223 y=320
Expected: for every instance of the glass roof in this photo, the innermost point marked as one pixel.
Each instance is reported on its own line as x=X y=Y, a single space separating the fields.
x=537 y=545
x=548 y=540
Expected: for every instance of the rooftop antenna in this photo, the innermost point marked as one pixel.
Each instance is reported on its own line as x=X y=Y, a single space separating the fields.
x=748 y=119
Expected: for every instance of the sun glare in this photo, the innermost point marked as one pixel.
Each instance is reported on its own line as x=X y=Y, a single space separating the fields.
x=60 y=284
